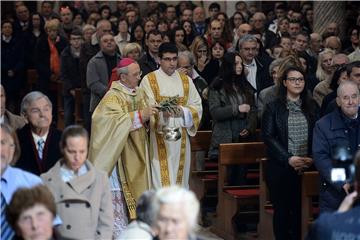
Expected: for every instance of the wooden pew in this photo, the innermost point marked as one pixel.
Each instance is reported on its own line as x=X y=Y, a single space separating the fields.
x=201 y=179
x=236 y=200
x=265 y=226
x=309 y=190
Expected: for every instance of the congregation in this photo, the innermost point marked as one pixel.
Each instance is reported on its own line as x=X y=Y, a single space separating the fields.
x=148 y=76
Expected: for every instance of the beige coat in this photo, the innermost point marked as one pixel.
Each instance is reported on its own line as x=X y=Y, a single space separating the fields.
x=83 y=204
x=15 y=121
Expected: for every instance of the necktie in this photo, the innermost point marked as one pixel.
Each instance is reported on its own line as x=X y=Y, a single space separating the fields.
x=6 y=230
x=40 y=144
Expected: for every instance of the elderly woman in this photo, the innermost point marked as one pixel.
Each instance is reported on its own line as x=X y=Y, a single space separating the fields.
x=47 y=53
x=287 y=125
x=132 y=50
x=324 y=73
x=31 y=213
x=39 y=141
x=178 y=214
x=81 y=192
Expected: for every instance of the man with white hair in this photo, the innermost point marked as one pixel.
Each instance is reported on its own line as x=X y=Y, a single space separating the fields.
x=119 y=141
x=178 y=213
x=338 y=130
x=39 y=141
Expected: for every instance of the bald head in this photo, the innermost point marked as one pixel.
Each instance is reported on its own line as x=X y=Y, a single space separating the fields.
x=340 y=59
x=333 y=43
x=103 y=27
x=198 y=15
x=244 y=29
x=315 y=42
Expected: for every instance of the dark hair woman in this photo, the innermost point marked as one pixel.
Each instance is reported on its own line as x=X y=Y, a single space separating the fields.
x=231 y=100
x=287 y=126
x=328 y=104
x=190 y=34
x=137 y=35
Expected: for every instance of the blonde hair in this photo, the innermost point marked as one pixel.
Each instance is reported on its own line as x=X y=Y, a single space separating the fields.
x=129 y=47
x=53 y=24
x=196 y=44
x=320 y=72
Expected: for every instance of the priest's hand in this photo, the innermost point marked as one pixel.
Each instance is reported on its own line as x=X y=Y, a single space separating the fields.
x=147 y=112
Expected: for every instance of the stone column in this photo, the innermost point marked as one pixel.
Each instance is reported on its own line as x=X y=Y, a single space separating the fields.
x=326 y=12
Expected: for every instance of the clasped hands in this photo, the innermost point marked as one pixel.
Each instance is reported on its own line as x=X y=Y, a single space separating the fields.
x=300 y=163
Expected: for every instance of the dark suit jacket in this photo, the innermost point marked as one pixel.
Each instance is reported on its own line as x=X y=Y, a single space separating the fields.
x=147 y=64
x=29 y=159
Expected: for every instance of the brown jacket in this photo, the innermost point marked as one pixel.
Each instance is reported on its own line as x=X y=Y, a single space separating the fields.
x=83 y=204
x=15 y=121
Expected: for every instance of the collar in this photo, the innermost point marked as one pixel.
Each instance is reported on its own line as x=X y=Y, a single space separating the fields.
x=68 y=174
x=162 y=72
x=2 y=119
x=130 y=90
x=6 y=176
x=252 y=64
x=94 y=40
x=5 y=39
x=37 y=137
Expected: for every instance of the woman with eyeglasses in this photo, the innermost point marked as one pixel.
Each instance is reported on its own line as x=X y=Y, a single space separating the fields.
x=287 y=126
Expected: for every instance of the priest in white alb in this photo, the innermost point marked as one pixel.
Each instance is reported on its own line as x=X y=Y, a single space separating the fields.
x=170 y=158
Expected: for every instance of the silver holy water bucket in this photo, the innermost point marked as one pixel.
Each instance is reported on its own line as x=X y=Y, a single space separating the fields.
x=171 y=133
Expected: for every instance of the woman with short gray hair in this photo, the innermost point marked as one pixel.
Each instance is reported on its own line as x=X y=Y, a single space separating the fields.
x=178 y=213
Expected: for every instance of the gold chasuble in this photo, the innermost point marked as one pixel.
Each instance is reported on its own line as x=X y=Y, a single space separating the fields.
x=115 y=143
x=170 y=160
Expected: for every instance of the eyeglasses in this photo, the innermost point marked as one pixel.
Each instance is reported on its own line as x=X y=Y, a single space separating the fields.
x=137 y=75
x=294 y=80
x=168 y=59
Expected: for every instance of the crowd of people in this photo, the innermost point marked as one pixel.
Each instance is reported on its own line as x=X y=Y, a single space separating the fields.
x=150 y=79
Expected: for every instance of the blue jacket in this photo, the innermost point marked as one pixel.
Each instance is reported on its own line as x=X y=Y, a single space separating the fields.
x=330 y=133
x=337 y=226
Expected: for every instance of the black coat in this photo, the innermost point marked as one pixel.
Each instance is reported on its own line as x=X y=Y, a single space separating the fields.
x=275 y=135
x=29 y=159
x=147 y=64
x=70 y=71
x=12 y=58
x=43 y=60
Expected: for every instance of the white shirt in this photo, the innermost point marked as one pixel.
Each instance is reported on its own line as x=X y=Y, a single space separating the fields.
x=68 y=174
x=251 y=76
x=37 y=138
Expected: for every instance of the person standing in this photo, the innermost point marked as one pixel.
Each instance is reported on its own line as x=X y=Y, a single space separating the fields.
x=70 y=75
x=119 y=141
x=287 y=125
x=170 y=160
x=99 y=69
